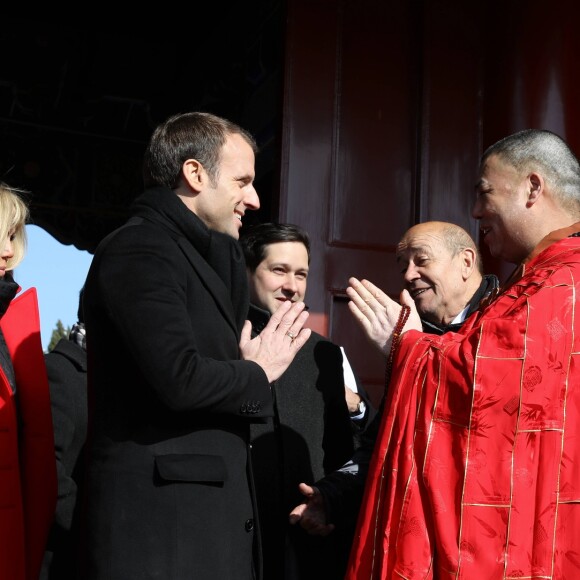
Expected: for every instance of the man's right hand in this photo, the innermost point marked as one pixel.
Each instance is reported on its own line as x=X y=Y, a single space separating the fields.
x=311 y=515
x=276 y=346
x=377 y=314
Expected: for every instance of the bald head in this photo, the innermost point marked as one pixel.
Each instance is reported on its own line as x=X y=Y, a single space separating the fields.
x=441 y=267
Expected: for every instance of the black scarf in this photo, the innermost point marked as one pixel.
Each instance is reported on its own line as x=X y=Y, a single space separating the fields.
x=489 y=284
x=259 y=318
x=222 y=252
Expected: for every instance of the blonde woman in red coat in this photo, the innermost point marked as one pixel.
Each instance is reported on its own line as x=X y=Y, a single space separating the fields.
x=27 y=462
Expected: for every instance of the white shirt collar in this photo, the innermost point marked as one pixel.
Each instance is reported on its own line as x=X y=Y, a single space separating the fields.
x=461 y=316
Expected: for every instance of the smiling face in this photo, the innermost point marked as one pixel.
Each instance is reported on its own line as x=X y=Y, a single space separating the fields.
x=440 y=283
x=222 y=204
x=280 y=276
x=501 y=208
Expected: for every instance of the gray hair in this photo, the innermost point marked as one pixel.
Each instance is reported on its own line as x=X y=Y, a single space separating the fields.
x=547 y=153
x=457 y=239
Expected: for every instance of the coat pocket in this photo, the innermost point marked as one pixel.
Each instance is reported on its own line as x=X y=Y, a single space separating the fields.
x=191 y=468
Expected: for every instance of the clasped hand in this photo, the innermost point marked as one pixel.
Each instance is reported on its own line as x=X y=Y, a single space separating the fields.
x=311 y=515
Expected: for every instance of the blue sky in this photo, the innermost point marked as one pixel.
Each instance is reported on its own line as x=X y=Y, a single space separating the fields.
x=58 y=273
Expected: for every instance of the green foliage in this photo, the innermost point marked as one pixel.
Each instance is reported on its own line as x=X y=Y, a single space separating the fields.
x=59 y=332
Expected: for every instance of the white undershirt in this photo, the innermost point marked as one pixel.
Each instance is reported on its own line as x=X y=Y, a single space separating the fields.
x=461 y=316
x=349 y=379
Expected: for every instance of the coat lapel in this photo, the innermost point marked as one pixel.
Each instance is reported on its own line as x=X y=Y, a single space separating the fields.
x=216 y=257
x=212 y=282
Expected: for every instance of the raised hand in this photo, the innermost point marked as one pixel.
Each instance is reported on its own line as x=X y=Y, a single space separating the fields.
x=276 y=346
x=377 y=314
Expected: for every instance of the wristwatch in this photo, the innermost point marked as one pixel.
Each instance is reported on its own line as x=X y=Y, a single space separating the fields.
x=360 y=409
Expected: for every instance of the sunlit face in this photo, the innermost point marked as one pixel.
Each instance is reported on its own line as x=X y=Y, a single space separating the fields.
x=500 y=207
x=7 y=252
x=222 y=206
x=432 y=275
x=280 y=276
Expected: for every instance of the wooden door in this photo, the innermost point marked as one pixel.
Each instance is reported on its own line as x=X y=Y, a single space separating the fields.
x=388 y=106
x=375 y=138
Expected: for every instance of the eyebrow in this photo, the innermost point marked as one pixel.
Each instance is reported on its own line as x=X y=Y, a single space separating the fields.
x=287 y=266
x=413 y=249
x=480 y=184
x=246 y=177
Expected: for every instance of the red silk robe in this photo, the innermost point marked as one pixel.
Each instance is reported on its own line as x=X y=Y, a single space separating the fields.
x=28 y=484
x=476 y=469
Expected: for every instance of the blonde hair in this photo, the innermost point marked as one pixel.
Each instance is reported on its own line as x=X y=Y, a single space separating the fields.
x=14 y=215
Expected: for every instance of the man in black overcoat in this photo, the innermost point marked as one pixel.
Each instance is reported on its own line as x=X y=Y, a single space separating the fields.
x=66 y=367
x=174 y=378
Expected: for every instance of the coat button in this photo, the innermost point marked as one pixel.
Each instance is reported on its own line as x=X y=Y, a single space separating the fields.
x=249 y=525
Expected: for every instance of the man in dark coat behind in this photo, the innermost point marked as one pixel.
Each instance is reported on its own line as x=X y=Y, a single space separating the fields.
x=174 y=377
x=443 y=272
x=312 y=432
x=66 y=367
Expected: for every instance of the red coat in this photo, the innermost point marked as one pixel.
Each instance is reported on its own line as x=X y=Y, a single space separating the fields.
x=28 y=485
x=476 y=470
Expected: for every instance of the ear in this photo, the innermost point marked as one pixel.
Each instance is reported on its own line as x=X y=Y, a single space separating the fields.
x=535 y=185
x=194 y=174
x=468 y=262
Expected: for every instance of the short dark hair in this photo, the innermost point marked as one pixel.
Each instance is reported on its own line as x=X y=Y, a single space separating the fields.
x=258 y=237
x=184 y=136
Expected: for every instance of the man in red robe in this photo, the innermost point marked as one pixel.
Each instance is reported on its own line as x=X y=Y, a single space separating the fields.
x=476 y=468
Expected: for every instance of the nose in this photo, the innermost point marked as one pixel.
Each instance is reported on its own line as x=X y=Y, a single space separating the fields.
x=411 y=273
x=8 y=251
x=252 y=200
x=290 y=286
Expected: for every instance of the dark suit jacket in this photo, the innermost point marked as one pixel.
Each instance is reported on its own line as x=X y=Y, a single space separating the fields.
x=170 y=403
x=66 y=366
x=310 y=435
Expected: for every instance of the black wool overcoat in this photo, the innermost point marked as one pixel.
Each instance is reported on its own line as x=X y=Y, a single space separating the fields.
x=66 y=367
x=170 y=403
